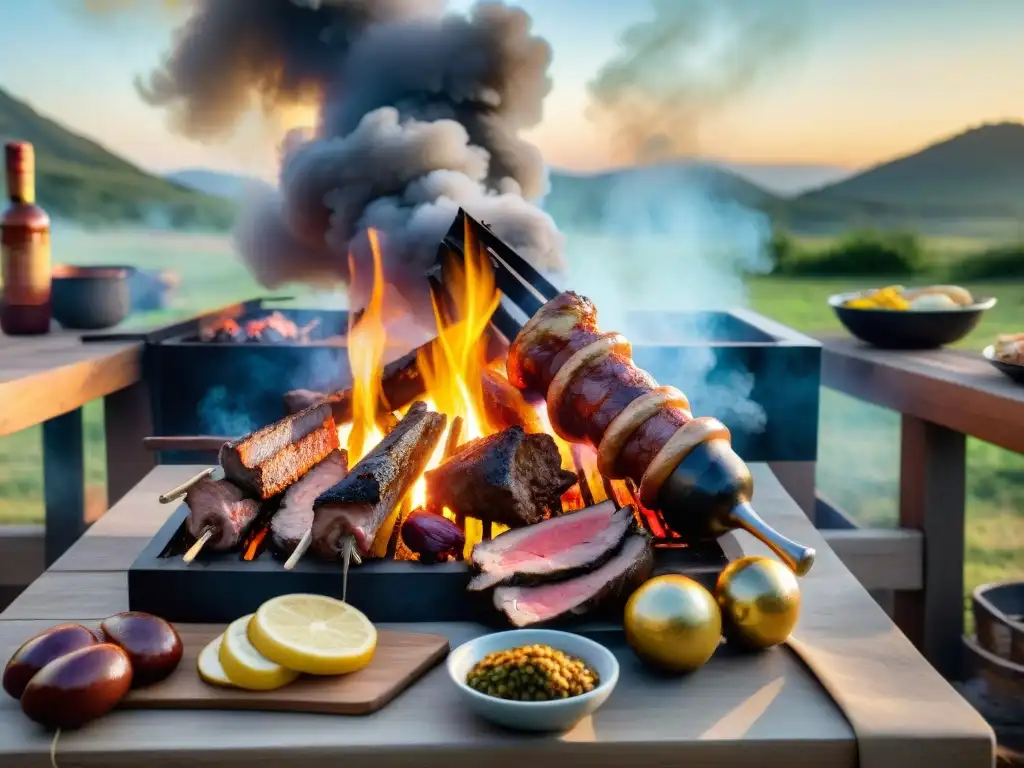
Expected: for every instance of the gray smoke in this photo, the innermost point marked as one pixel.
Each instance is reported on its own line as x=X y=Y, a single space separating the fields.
x=691 y=59
x=421 y=113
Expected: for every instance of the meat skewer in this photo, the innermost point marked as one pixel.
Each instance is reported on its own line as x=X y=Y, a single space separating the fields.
x=291 y=525
x=219 y=515
x=684 y=466
x=176 y=493
x=347 y=517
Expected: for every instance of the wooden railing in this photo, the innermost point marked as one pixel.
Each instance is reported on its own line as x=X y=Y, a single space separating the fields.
x=944 y=397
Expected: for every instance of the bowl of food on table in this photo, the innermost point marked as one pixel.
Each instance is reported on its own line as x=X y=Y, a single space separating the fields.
x=533 y=679
x=1007 y=355
x=895 y=317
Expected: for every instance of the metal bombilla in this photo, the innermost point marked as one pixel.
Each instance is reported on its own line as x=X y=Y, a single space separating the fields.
x=709 y=494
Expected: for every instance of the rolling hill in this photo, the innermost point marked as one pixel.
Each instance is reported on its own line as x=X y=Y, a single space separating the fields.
x=78 y=179
x=979 y=172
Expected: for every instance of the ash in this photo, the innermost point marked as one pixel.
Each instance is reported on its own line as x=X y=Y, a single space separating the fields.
x=420 y=114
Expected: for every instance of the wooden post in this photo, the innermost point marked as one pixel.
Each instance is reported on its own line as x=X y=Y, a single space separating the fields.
x=128 y=418
x=932 y=486
x=63 y=483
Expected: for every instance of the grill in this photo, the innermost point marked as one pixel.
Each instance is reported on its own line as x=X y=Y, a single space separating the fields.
x=230 y=386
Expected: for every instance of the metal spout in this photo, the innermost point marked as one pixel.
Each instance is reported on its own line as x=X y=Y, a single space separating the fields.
x=797 y=557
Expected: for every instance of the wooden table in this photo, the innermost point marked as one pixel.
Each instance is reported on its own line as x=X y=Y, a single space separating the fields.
x=760 y=711
x=46 y=380
x=943 y=396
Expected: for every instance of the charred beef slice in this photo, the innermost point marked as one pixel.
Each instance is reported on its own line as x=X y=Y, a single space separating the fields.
x=295 y=516
x=510 y=478
x=557 y=548
x=611 y=583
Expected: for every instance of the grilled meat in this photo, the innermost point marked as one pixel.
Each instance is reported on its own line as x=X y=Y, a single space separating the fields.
x=613 y=582
x=557 y=548
x=272 y=458
x=510 y=478
x=295 y=516
x=360 y=504
x=223 y=506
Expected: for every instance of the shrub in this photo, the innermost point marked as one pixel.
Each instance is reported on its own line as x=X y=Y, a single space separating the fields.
x=864 y=252
x=1006 y=261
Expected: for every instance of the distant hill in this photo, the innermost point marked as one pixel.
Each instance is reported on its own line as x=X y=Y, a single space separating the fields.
x=788 y=179
x=78 y=179
x=979 y=173
x=231 y=186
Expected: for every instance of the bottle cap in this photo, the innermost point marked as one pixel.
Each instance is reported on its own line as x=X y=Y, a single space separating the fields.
x=19 y=156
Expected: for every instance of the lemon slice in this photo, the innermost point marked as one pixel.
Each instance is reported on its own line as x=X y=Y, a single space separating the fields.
x=314 y=634
x=245 y=666
x=210 y=668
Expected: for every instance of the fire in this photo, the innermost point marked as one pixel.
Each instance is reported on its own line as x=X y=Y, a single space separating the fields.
x=451 y=367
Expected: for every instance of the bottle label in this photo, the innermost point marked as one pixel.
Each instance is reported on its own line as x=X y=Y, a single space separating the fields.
x=25 y=264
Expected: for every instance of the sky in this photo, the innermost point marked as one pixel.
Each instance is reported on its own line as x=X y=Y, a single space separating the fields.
x=873 y=79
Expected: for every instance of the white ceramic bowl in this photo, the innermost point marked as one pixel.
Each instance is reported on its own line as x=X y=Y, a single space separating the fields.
x=558 y=715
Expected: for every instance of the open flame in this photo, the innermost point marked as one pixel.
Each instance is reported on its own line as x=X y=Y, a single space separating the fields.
x=452 y=367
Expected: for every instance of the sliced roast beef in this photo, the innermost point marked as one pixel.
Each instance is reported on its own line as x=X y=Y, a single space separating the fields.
x=612 y=582
x=295 y=516
x=559 y=547
x=222 y=506
x=511 y=478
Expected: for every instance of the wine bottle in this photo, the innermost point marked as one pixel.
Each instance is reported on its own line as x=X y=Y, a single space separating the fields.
x=24 y=248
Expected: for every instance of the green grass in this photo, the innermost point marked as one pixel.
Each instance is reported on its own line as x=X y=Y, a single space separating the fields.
x=858 y=446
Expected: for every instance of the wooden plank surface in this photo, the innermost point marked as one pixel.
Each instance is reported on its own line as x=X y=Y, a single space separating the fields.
x=400 y=659
x=762 y=710
x=953 y=388
x=46 y=376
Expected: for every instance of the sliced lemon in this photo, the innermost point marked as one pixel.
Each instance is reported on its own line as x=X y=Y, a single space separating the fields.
x=245 y=666
x=314 y=634
x=210 y=668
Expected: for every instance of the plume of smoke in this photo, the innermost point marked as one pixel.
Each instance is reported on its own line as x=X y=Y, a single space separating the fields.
x=421 y=113
x=691 y=59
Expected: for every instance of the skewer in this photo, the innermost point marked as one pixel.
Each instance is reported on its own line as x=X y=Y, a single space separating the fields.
x=609 y=491
x=300 y=550
x=196 y=548
x=348 y=553
x=581 y=477
x=202 y=443
x=176 y=493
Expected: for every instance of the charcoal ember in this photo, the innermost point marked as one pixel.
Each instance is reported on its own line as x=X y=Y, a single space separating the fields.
x=433 y=537
x=511 y=478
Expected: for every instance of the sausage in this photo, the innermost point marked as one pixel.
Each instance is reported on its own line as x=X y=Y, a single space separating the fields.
x=596 y=394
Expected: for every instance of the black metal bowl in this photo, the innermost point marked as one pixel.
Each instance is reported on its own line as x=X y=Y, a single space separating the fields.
x=907 y=329
x=1015 y=372
x=999 y=619
x=91 y=298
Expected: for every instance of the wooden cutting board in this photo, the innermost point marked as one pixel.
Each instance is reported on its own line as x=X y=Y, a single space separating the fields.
x=400 y=659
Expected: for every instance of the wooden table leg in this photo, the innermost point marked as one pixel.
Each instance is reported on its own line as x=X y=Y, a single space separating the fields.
x=932 y=487
x=63 y=482
x=128 y=418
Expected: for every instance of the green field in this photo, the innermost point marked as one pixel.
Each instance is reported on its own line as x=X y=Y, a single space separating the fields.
x=865 y=486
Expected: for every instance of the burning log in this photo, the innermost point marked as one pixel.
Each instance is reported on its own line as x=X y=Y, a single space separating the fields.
x=510 y=478
x=272 y=458
x=353 y=511
x=505 y=406
x=294 y=519
x=401 y=383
